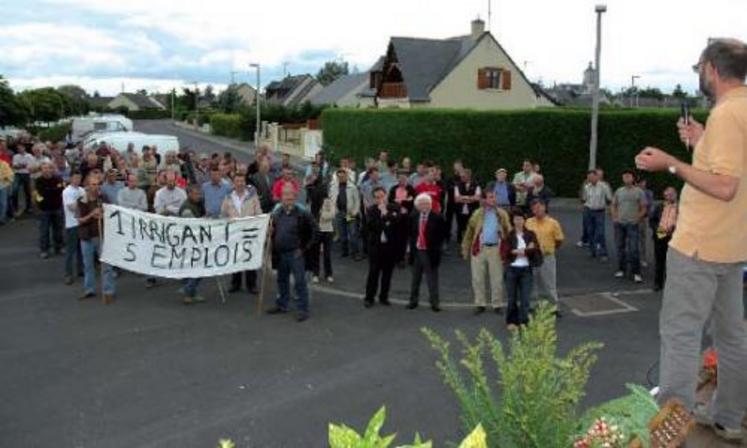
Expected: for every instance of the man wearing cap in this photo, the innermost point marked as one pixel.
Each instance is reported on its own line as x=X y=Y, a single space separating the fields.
x=628 y=210
x=111 y=188
x=202 y=169
x=505 y=192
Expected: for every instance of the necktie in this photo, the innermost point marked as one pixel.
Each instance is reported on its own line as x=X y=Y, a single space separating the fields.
x=421 y=231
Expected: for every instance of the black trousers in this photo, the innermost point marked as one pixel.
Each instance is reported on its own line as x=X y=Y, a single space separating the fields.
x=450 y=209
x=422 y=265
x=462 y=221
x=661 y=246
x=381 y=261
x=325 y=247
x=251 y=280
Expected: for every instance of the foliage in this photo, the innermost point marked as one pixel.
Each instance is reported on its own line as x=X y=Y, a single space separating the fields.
x=331 y=71
x=242 y=125
x=558 y=139
x=341 y=436
x=228 y=125
x=229 y=101
x=539 y=392
x=13 y=112
x=632 y=412
x=54 y=133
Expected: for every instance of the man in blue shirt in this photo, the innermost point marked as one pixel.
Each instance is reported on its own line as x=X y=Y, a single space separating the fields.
x=505 y=192
x=214 y=192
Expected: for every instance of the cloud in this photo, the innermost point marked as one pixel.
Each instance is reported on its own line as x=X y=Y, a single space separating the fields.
x=205 y=41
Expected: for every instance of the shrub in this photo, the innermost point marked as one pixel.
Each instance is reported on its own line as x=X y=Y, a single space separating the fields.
x=53 y=134
x=229 y=125
x=558 y=139
x=539 y=392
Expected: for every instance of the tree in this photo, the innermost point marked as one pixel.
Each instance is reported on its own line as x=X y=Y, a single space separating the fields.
x=229 y=100
x=209 y=94
x=651 y=92
x=331 y=71
x=142 y=92
x=76 y=99
x=73 y=91
x=13 y=112
x=679 y=93
x=46 y=104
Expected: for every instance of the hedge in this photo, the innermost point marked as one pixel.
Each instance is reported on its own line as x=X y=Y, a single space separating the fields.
x=485 y=140
x=55 y=133
x=229 y=125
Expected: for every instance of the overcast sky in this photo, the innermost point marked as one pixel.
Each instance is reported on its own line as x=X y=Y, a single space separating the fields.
x=156 y=45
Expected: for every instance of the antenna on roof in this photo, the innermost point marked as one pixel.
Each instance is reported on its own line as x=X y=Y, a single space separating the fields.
x=489 y=12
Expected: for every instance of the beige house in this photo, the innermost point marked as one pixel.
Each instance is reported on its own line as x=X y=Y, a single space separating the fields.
x=471 y=71
x=246 y=92
x=134 y=102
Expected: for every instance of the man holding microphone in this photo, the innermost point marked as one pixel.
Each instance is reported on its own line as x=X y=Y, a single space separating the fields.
x=709 y=245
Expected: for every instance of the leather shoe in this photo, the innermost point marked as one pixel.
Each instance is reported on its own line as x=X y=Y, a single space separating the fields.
x=385 y=302
x=479 y=310
x=108 y=299
x=411 y=305
x=302 y=317
x=436 y=308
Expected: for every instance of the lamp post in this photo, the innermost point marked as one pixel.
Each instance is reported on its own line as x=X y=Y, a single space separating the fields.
x=633 y=93
x=197 y=107
x=599 y=9
x=256 y=99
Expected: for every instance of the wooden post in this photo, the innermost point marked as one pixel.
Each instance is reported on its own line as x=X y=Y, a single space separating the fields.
x=101 y=249
x=265 y=277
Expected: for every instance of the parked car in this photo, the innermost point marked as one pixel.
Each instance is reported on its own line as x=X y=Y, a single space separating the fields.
x=82 y=126
x=120 y=140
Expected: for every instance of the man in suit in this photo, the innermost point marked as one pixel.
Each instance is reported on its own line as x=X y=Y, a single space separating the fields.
x=382 y=223
x=262 y=180
x=427 y=231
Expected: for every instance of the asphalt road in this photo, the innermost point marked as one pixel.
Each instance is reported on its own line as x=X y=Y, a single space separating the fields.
x=150 y=372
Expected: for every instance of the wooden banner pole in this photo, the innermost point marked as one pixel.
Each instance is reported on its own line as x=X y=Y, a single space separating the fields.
x=266 y=261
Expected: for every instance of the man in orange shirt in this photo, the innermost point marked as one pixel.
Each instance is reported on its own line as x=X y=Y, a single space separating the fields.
x=709 y=245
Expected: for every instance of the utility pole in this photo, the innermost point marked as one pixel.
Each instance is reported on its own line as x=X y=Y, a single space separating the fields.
x=599 y=9
x=173 y=94
x=257 y=98
x=285 y=68
x=633 y=92
x=233 y=74
x=489 y=12
x=197 y=107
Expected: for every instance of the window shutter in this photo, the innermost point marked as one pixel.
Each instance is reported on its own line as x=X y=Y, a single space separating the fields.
x=482 y=79
x=505 y=80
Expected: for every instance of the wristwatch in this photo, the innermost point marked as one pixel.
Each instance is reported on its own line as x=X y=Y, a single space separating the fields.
x=672 y=169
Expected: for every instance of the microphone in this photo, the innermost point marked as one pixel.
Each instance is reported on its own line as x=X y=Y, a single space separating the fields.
x=685 y=114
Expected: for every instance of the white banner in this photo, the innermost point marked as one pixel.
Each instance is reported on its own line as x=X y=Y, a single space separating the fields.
x=173 y=247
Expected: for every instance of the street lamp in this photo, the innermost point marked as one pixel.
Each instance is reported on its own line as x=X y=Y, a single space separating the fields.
x=599 y=9
x=256 y=99
x=197 y=107
x=633 y=93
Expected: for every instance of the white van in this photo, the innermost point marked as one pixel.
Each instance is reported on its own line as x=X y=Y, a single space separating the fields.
x=82 y=126
x=120 y=140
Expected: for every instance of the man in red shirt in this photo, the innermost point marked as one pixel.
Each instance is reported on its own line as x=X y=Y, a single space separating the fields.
x=287 y=178
x=432 y=189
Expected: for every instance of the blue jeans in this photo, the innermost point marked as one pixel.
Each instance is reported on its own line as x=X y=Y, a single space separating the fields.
x=598 y=242
x=55 y=220
x=518 y=289
x=90 y=248
x=348 y=231
x=292 y=263
x=72 y=251
x=190 y=286
x=626 y=240
x=3 y=204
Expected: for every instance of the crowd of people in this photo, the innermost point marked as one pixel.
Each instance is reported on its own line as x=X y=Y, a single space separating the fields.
x=390 y=212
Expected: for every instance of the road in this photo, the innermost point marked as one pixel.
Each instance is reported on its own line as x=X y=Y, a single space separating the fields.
x=150 y=372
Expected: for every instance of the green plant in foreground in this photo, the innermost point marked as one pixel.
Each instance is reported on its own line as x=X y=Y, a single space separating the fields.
x=534 y=402
x=341 y=436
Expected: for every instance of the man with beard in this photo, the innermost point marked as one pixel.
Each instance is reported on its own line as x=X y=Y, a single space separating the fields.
x=709 y=245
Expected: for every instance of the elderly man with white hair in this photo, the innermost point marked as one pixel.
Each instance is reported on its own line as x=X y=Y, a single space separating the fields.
x=426 y=232
x=539 y=191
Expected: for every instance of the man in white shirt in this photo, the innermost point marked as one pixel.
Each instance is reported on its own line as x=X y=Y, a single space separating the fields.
x=70 y=196
x=168 y=201
x=132 y=196
x=170 y=198
x=22 y=161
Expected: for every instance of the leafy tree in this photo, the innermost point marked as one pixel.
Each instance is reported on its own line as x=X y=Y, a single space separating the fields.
x=209 y=93
x=46 y=104
x=679 y=93
x=331 y=71
x=141 y=92
x=73 y=91
x=651 y=92
x=229 y=100
x=13 y=112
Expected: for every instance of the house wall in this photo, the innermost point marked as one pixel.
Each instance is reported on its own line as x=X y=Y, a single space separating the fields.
x=120 y=101
x=459 y=88
x=351 y=99
x=247 y=95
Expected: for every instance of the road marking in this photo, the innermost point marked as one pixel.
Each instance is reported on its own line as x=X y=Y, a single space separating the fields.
x=622 y=306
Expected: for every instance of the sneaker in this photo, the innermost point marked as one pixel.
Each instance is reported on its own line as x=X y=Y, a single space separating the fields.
x=619 y=274
x=580 y=244
x=188 y=300
x=315 y=279
x=703 y=417
x=637 y=278
x=68 y=279
x=478 y=310
x=87 y=295
x=330 y=279
x=44 y=255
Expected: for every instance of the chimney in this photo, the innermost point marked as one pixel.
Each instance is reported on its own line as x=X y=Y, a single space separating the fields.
x=478 y=27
